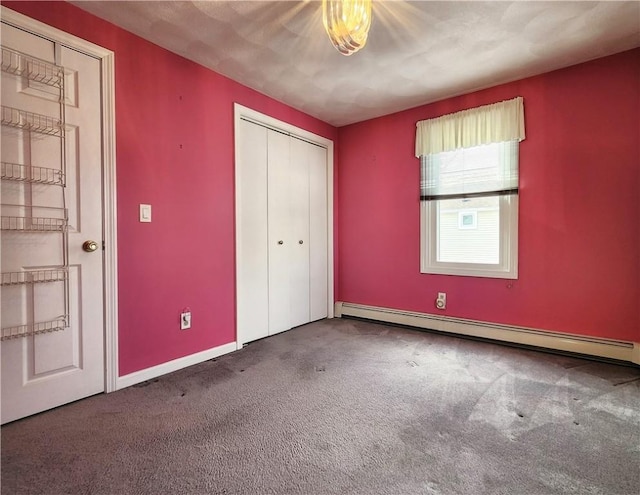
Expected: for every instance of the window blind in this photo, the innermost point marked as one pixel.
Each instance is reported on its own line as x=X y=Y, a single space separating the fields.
x=486 y=170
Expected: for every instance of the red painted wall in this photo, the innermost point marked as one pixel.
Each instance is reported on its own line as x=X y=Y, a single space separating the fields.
x=579 y=258
x=175 y=150
x=579 y=201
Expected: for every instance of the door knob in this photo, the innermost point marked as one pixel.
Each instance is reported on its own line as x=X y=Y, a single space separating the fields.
x=300 y=241
x=280 y=242
x=90 y=246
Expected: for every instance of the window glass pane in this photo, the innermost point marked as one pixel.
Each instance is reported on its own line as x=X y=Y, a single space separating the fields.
x=486 y=168
x=468 y=230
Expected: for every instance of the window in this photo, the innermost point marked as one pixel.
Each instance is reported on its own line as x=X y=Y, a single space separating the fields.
x=467 y=219
x=469 y=198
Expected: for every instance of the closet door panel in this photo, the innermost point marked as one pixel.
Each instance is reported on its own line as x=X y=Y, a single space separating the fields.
x=252 y=274
x=299 y=225
x=318 y=234
x=280 y=240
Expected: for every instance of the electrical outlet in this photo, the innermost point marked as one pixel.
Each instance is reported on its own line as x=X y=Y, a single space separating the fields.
x=441 y=301
x=185 y=320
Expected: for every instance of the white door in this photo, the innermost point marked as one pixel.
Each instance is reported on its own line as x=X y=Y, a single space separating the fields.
x=318 y=234
x=53 y=368
x=282 y=231
x=252 y=277
x=297 y=217
x=280 y=238
x=299 y=233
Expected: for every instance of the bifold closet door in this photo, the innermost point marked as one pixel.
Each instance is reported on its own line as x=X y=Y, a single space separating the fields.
x=280 y=238
x=299 y=232
x=318 y=233
x=297 y=216
x=282 y=232
x=251 y=222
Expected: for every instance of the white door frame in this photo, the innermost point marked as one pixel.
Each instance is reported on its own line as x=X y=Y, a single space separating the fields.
x=242 y=112
x=110 y=268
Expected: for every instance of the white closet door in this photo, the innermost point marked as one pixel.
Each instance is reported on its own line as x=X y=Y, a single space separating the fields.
x=280 y=239
x=318 y=233
x=282 y=232
x=252 y=265
x=299 y=227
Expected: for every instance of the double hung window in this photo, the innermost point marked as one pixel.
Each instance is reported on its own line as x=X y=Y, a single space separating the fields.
x=469 y=191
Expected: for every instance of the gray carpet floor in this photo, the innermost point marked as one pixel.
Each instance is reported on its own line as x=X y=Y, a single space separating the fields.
x=345 y=407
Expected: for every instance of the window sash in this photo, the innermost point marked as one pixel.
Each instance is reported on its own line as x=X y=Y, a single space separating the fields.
x=487 y=170
x=507 y=267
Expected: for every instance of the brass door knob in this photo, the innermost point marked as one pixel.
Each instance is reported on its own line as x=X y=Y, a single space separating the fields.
x=90 y=246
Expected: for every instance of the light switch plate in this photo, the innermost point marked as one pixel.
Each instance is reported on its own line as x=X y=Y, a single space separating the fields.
x=145 y=213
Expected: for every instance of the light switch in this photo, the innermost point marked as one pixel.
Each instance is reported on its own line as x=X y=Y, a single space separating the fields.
x=145 y=213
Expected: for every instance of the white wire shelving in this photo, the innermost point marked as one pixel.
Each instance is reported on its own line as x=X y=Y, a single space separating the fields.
x=60 y=274
x=28 y=173
x=22 y=218
x=33 y=122
x=30 y=126
x=32 y=68
x=29 y=329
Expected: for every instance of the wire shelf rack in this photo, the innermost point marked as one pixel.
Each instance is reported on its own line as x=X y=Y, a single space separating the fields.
x=22 y=218
x=30 y=126
x=32 y=68
x=60 y=274
x=34 y=122
x=59 y=323
x=33 y=224
x=29 y=173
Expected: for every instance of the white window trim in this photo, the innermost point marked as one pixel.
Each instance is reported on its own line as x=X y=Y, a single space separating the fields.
x=507 y=268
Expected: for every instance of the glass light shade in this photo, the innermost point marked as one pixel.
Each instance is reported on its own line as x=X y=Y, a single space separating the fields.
x=347 y=23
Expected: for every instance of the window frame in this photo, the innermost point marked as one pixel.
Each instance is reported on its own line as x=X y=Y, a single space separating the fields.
x=507 y=268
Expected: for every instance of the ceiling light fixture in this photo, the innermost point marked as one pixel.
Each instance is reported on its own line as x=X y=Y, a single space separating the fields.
x=347 y=23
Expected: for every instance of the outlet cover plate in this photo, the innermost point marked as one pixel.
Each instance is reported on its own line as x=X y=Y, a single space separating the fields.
x=185 y=320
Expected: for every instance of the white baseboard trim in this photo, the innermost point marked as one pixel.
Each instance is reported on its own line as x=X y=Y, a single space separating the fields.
x=580 y=344
x=175 y=365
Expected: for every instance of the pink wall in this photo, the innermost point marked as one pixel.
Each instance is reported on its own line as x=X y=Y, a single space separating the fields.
x=579 y=206
x=579 y=258
x=174 y=138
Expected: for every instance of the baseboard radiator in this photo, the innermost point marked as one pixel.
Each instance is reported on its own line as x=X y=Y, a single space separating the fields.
x=589 y=346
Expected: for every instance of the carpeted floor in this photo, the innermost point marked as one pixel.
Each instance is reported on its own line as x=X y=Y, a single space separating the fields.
x=340 y=407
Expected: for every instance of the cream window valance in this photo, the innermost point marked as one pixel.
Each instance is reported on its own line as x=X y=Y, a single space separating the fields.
x=499 y=122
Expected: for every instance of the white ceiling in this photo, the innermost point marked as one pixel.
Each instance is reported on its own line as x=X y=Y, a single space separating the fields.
x=417 y=53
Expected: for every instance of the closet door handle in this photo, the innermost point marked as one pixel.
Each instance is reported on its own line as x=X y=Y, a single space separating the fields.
x=280 y=242
x=300 y=241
